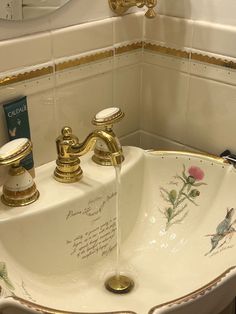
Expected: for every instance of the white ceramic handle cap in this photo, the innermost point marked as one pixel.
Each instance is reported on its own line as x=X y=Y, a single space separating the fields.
x=107 y=113
x=12 y=147
x=108 y=116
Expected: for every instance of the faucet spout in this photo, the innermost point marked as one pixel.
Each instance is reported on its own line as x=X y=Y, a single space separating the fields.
x=107 y=151
x=107 y=137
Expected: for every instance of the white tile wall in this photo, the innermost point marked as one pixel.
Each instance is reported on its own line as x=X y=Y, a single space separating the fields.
x=74 y=95
x=190 y=102
x=26 y=51
x=155 y=91
x=164 y=102
x=127 y=97
x=86 y=37
x=42 y=116
x=128 y=28
x=83 y=99
x=170 y=31
x=211 y=116
x=215 y=38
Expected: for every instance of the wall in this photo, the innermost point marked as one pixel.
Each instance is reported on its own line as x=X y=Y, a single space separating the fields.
x=80 y=11
x=74 y=12
x=150 y=68
x=90 y=63
x=189 y=84
x=213 y=11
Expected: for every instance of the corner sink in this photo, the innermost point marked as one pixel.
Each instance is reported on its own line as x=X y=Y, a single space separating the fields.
x=178 y=222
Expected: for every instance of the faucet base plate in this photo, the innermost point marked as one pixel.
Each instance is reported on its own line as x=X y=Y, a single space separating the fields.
x=18 y=202
x=68 y=171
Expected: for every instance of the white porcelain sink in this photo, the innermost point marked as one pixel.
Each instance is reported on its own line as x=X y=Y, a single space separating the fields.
x=178 y=238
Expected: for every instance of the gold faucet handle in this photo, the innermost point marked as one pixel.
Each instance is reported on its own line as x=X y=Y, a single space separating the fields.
x=105 y=119
x=108 y=117
x=64 y=141
x=19 y=188
x=68 y=168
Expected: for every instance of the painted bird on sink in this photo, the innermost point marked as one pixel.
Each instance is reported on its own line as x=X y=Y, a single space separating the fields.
x=224 y=231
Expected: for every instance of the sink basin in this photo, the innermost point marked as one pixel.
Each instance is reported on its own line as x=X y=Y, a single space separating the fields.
x=178 y=223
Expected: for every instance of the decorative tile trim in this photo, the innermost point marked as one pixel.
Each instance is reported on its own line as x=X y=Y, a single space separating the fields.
x=188 y=54
x=166 y=50
x=111 y=52
x=129 y=47
x=196 y=294
x=213 y=60
x=8 y=80
x=74 y=62
x=84 y=60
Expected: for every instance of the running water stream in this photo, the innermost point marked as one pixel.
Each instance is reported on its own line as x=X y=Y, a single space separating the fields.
x=118 y=283
x=118 y=222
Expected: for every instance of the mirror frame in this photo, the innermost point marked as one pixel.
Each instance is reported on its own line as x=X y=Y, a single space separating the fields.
x=72 y=13
x=17 y=10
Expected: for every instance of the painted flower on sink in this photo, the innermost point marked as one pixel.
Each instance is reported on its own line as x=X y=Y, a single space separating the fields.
x=196 y=173
x=178 y=199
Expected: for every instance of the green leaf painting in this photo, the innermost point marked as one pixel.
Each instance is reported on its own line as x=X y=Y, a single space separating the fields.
x=4 y=276
x=178 y=199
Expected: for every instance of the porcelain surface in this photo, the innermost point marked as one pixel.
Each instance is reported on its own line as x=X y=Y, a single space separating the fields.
x=178 y=217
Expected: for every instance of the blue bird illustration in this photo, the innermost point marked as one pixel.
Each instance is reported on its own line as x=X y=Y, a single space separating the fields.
x=224 y=230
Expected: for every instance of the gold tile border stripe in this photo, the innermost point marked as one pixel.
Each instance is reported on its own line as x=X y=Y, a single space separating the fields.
x=116 y=51
x=193 y=55
x=70 y=64
x=25 y=76
x=128 y=48
x=84 y=60
x=215 y=61
x=167 y=51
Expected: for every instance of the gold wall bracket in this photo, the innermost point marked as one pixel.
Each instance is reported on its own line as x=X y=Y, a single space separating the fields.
x=121 y=6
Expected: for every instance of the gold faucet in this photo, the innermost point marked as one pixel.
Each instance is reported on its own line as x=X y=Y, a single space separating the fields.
x=108 y=150
x=121 y=6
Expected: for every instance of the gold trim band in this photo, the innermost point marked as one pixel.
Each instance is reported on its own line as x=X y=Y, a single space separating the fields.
x=19 y=194
x=211 y=157
x=69 y=64
x=190 y=55
x=191 y=296
x=26 y=76
x=47 y=310
x=167 y=51
x=116 y=51
x=195 y=294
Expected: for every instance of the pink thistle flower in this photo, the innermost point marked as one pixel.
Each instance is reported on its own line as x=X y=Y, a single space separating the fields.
x=196 y=173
